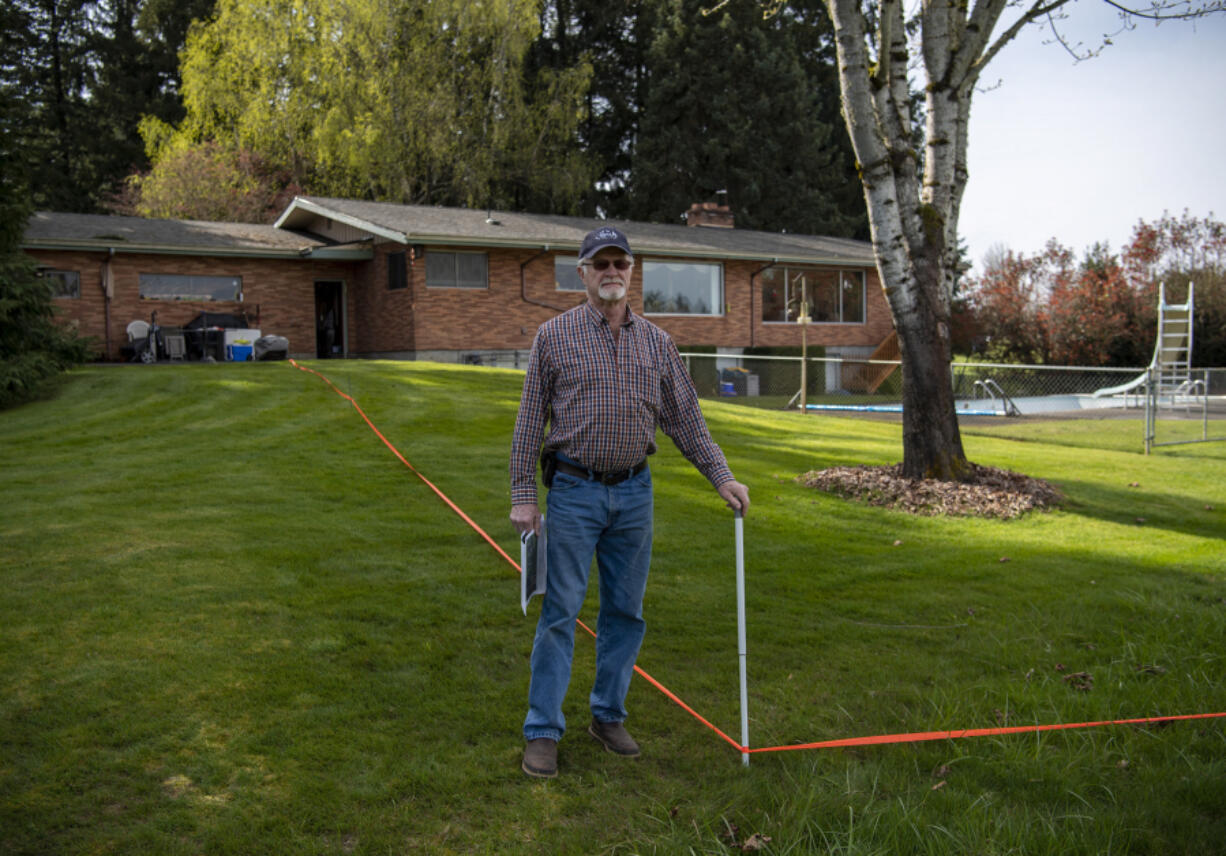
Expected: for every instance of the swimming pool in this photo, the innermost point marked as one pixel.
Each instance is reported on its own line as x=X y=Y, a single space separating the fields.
x=1028 y=406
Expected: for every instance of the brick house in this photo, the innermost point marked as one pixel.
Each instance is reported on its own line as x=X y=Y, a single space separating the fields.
x=417 y=282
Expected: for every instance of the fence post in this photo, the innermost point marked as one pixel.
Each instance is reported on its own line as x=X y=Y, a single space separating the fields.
x=1204 y=409
x=1150 y=406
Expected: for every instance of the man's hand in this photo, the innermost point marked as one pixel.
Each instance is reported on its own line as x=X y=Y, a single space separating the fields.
x=736 y=495
x=526 y=518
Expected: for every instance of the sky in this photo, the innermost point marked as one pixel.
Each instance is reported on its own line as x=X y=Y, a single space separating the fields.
x=1080 y=152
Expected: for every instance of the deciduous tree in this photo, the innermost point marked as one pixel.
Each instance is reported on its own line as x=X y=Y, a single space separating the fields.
x=1091 y=311
x=1102 y=311
x=401 y=100
x=1006 y=305
x=208 y=181
x=1176 y=251
x=914 y=196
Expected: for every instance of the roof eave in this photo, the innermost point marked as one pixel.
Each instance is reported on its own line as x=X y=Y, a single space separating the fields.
x=299 y=204
x=640 y=249
x=288 y=220
x=175 y=250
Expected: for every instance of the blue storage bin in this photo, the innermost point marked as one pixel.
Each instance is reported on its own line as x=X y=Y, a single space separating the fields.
x=238 y=353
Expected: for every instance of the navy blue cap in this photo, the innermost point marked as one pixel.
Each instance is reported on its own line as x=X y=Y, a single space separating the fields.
x=599 y=239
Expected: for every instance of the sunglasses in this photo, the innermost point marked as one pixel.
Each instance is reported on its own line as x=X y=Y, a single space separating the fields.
x=603 y=264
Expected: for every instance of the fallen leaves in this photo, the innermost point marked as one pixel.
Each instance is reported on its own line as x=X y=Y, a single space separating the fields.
x=753 y=843
x=1082 y=681
x=989 y=492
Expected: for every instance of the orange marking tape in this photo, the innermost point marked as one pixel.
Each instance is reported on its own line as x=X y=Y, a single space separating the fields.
x=667 y=692
x=921 y=736
x=405 y=461
x=876 y=740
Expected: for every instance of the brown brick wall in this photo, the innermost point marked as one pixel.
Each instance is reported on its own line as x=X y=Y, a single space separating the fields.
x=281 y=291
x=492 y=318
x=499 y=317
x=382 y=320
x=418 y=318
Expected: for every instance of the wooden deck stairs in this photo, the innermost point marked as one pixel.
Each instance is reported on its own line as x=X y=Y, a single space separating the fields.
x=868 y=377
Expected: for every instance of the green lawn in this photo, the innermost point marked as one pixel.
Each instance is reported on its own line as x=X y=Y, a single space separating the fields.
x=233 y=622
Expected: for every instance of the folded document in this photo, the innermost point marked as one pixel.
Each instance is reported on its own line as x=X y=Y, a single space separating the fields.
x=534 y=570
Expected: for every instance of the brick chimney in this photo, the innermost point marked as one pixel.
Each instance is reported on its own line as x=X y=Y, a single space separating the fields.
x=711 y=214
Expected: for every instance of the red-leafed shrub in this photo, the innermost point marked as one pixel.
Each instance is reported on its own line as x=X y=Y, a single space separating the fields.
x=1101 y=310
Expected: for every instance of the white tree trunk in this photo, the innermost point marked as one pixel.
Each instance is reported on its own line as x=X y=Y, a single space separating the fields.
x=914 y=216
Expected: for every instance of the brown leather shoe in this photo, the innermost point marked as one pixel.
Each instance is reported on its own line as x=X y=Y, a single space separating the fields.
x=614 y=737
x=541 y=758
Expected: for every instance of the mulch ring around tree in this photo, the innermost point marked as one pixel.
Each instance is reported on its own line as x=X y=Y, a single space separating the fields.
x=989 y=492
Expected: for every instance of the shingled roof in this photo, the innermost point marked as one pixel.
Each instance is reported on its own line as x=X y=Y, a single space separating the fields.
x=419 y=224
x=54 y=230
x=292 y=236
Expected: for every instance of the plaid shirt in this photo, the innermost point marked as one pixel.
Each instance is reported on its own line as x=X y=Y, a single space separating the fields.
x=603 y=400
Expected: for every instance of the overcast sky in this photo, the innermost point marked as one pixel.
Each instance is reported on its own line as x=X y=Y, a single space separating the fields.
x=1081 y=151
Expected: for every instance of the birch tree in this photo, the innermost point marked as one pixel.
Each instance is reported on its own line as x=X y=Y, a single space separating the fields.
x=913 y=195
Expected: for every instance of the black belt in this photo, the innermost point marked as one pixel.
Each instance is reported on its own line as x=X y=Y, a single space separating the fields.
x=604 y=478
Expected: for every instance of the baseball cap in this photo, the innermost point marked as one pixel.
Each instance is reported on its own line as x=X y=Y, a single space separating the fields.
x=598 y=239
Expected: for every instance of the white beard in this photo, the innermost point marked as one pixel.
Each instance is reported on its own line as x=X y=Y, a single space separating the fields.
x=611 y=291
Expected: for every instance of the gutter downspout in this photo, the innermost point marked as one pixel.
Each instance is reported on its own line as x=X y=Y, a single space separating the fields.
x=523 y=284
x=107 y=292
x=752 y=277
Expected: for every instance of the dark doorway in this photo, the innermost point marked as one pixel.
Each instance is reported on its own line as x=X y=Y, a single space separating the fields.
x=329 y=319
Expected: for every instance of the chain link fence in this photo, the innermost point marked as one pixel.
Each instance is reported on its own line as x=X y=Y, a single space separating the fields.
x=1193 y=412
x=834 y=383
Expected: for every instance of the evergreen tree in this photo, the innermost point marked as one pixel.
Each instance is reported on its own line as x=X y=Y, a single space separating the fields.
x=163 y=26
x=49 y=69
x=84 y=73
x=731 y=107
x=614 y=39
x=34 y=350
x=808 y=23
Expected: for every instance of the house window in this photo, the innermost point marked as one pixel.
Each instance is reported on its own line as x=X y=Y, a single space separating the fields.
x=566 y=273
x=173 y=286
x=852 y=282
x=65 y=284
x=834 y=296
x=397 y=271
x=456 y=270
x=683 y=288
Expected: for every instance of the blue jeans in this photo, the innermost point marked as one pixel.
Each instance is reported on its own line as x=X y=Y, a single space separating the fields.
x=614 y=522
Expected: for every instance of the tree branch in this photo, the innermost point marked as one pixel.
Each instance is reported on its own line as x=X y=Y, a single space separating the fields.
x=1160 y=14
x=1038 y=10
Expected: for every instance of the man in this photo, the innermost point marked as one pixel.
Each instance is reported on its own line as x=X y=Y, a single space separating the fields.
x=604 y=379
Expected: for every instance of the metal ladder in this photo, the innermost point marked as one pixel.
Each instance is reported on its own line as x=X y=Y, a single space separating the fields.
x=991 y=389
x=1173 y=351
